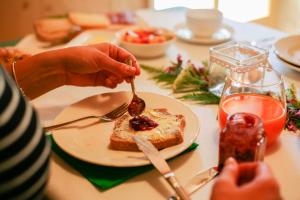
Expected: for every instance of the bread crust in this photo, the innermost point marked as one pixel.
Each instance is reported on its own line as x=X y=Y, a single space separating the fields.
x=128 y=144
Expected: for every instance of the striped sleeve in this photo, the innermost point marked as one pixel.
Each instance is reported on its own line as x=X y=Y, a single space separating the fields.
x=24 y=149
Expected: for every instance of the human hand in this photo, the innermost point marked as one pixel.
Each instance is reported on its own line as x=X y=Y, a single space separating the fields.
x=9 y=54
x=102 y=64
x=246 y=181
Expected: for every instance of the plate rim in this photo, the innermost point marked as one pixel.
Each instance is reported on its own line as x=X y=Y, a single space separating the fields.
x=281 y=53
x=286 y=63
x=145 y=162
x=205 y=42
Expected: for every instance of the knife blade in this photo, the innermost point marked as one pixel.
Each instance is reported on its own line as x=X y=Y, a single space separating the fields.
x=201 y=179
x=198 y=181
x=161 y=165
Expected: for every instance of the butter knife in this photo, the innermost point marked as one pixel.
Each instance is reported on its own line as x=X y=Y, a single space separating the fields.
x=198 y=181
x=161 y=165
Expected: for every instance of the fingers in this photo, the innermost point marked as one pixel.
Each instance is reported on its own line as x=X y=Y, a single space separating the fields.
x=123 y=56
x=107 y=79
x=115 y=67
x=263 y=170
x=229 y=174
x=247 y=172
x=118 y=54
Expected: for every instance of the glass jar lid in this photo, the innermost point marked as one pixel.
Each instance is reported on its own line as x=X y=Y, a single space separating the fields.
x=238 y=55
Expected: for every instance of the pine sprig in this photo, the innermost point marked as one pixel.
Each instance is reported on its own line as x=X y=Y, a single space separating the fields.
x=166 y=76
x=189 y=79
x=293 y=110
x=202 y=97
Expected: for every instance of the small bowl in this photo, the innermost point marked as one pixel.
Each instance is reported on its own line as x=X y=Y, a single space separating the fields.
x=148 y=50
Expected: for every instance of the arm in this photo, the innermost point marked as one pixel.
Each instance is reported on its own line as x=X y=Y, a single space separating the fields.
x=39 y=74
x=95 y=65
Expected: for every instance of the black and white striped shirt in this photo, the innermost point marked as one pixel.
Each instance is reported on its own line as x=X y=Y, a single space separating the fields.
x=24 y=149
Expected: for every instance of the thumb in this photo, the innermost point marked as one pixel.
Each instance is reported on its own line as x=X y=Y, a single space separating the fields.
x=230 y=171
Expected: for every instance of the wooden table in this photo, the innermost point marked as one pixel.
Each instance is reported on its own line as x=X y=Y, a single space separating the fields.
x=284 y=157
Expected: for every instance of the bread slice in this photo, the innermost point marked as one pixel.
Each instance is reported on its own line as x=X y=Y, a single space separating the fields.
x=54 y=30
x=89 y=20
x=169 y=132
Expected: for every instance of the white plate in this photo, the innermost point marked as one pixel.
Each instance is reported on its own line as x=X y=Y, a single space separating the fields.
x=288 y=49
x=89 y=141
x=30 y=44
x=93 y=37
x=224 y=34
x=283 y=62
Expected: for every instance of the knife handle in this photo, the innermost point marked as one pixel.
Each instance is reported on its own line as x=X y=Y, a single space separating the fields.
x=170 y=177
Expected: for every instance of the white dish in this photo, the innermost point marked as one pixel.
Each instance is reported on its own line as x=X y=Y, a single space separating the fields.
x=283 y=62
x=145 y=50
x=31 y=45
x=288 y=49
x=92 y=37
x=89 y=141
x=224 y=34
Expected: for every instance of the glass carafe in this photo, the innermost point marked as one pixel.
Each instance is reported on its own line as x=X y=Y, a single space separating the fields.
x=233 y=56
x=259 y=91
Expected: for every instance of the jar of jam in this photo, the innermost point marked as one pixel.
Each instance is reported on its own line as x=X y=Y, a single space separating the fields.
x=242 y=138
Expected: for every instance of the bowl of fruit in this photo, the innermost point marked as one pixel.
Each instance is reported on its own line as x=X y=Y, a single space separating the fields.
x=146 y=42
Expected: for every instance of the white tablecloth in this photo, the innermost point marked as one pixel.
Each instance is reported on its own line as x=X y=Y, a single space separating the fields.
x=284 y=158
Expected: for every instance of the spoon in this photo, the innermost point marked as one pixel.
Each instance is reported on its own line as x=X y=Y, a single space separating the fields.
x=137 y=104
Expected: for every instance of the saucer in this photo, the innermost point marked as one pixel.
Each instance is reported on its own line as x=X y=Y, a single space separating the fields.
x=224 y=34
x=288 y=49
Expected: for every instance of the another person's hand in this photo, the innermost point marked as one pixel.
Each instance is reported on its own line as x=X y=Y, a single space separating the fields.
x=103 y=64
x=247 y=181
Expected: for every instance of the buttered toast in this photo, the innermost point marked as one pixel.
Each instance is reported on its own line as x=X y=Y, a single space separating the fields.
x=169 y=132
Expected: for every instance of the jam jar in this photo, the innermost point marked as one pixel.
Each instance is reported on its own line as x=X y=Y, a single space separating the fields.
x=243 y=138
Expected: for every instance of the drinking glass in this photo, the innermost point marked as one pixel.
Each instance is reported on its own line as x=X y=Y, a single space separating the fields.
x=257 y=90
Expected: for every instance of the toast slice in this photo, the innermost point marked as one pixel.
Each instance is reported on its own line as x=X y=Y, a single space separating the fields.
x=88 y=20
x=55 y=30
x=169 y=132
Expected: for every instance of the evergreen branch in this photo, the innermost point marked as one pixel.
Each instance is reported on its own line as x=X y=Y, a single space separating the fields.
x=202 y=97
x=166 y=78
x=151 y=69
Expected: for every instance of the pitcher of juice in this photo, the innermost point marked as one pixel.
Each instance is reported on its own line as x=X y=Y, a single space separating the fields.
x=233 y=56
x=256 y=88
x=242 y=138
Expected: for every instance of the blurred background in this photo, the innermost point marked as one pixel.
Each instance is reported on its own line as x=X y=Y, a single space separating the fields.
x=17 y=16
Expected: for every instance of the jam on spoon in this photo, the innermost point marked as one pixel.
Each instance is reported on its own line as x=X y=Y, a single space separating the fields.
x=137 y=105
x=142 y=123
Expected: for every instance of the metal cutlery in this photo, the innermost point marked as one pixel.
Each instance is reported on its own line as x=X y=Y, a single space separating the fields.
x=198 y=181
x=161 y=165
x=110 y=116
x=137 y=104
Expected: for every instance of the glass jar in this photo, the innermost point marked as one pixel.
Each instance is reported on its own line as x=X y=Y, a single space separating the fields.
x=233 y=56
x=243 y=138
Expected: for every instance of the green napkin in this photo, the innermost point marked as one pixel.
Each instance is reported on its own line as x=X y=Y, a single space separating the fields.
x=9 y=43
x=101 y=176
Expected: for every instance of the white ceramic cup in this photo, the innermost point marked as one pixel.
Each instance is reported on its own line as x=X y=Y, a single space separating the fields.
x=204 y=22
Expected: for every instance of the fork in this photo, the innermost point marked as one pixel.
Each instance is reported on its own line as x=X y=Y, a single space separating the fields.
x=108 y=117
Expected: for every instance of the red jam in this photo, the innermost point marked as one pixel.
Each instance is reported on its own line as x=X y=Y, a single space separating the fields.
x=243 y=138
x=142 y=123
x=136 y=107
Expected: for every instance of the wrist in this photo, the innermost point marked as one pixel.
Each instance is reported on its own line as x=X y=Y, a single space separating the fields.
x=40 y=73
